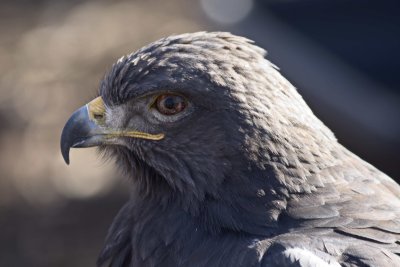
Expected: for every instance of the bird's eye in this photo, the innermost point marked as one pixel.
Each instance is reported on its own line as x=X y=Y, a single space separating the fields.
x=170 y=104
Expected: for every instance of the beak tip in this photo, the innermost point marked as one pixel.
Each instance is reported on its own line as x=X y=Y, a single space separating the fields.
x=65 y=154
x=73 y=131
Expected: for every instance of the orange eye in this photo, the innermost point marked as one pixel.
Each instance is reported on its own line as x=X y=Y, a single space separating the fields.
x=170 y=104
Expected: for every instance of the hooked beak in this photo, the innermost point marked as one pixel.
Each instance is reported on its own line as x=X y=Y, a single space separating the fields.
x=86 y=128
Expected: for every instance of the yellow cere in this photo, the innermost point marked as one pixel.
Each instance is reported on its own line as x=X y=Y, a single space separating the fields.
x=96 y=109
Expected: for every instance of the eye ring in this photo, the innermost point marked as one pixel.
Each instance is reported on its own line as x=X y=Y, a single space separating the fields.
x=170 y=104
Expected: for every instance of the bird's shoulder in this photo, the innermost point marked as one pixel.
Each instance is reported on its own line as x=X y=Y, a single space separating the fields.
x=329 y=249
x=353 y=214
x=351 y=194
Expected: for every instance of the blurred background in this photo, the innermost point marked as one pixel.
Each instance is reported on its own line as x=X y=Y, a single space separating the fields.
x=342 y=55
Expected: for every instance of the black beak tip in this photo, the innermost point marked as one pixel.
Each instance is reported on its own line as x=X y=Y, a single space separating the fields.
x=66 y=156
x=65 y=150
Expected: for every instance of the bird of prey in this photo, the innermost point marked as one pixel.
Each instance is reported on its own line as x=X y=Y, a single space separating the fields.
x=229 y=165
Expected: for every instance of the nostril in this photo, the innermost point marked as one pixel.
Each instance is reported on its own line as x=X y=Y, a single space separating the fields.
x=98 y=116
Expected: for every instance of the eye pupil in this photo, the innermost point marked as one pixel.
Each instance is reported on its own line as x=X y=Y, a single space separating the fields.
x=170 y=104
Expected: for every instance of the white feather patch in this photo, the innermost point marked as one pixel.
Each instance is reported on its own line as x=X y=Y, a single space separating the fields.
x=308 y=258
